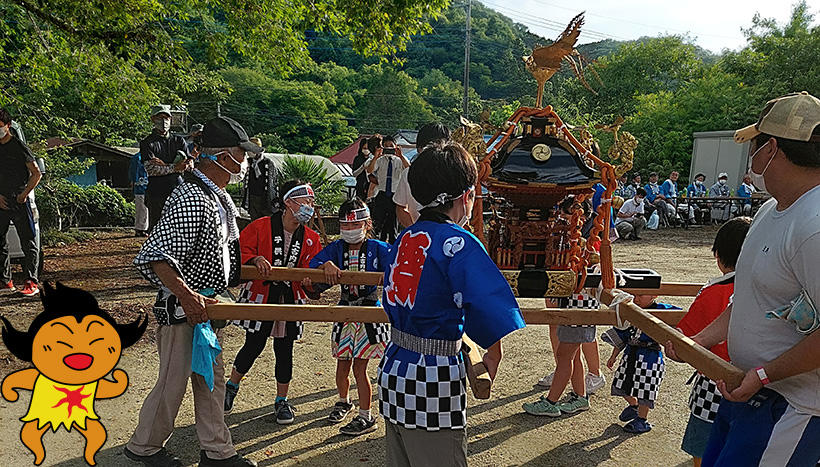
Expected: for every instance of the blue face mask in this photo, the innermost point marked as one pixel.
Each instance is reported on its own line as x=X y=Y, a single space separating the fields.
x=304 y=214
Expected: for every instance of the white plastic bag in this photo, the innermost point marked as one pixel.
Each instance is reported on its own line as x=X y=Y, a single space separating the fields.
x=653 y=222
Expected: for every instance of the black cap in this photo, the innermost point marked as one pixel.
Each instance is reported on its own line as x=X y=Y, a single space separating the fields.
x=224 y=132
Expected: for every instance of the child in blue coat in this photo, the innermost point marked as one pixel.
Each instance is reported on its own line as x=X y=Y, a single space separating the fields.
x=354 y=344
x=638 y=377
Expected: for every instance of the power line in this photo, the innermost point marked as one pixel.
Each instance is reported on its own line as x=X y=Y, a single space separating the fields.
x=637 y=23
x=530 y=19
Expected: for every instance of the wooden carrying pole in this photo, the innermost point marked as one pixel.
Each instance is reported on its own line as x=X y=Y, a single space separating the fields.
x=375 y=278
x=688 y=350
x=480 y=381
x=316 y=275
x=374 y=314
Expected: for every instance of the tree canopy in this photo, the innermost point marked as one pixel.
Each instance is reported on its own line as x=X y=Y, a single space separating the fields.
x=308 y=77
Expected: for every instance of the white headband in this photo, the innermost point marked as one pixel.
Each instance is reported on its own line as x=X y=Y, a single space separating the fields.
x=356 y=215
x=299 y=191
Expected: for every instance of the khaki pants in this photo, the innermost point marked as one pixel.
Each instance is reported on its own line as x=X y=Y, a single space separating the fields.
x=631 y=227
x=421 y=448
x=140 y=214
x=156 y=422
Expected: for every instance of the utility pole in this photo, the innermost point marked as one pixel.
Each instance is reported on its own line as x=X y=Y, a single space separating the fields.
x=466 y=79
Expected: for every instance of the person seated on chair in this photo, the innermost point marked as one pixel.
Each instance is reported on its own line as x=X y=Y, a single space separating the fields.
x=697 y=189
x=655 y=198
x=721 y=209
x=746 y=190
x=669 y=190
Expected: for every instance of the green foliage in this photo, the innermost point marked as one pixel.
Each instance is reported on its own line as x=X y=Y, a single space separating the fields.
x=54 y=237
x=65 y=204
x=302 y=114
x=645 y=67
x=61 y=164
x=388 y=99
x=446 y=96
x=728 y=94
x=92 y=69
x=779 y=59
x=307 y=77
x=665 y=121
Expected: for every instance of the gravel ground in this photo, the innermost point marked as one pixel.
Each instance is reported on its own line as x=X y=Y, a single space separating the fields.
x=500 y=433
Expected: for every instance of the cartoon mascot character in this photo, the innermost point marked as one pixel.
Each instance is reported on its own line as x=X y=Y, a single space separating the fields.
x=72 y=344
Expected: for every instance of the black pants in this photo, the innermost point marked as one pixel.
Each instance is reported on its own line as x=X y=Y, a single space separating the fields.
x=384 y=217
x=21 y=215
x=258 y=206
x=155 y=203
x=252 y=349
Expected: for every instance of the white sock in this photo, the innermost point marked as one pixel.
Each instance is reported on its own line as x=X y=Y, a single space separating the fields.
x=365 y=414
x=346 y=401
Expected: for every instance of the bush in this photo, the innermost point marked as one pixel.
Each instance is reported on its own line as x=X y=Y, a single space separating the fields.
x=65 y=204
x=55 y=237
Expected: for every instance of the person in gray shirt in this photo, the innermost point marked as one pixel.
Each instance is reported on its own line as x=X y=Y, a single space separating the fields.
x=773 y=417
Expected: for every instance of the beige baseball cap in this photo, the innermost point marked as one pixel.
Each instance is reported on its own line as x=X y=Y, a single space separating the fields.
x=793 y=116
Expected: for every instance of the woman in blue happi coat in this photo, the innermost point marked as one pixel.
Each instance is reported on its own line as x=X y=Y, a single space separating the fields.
x=439 y=285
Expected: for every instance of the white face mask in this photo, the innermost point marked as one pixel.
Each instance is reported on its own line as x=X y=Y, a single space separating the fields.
x=757 y=178
x=722 y=182
x=236 y=177
x=4 y=130
x=353 y=235
x=698 y=183
x=365 y=152
x=163 y=125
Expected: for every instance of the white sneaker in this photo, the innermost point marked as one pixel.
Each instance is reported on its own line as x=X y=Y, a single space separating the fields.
x=546 y=381
x=594 y=382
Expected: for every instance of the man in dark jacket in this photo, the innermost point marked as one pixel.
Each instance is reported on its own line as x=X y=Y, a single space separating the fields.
x=165 y=157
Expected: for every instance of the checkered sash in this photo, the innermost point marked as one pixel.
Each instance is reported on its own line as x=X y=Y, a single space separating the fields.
x=582 y=301
x=638 y=375
x=704 y=399
x=429 y=393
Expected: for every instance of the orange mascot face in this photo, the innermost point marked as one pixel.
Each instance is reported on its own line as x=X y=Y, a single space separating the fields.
x=72 y=352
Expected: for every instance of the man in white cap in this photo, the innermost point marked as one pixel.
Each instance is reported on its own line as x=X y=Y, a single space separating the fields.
x=721 y=210
x=773 y=417
x=165 y=157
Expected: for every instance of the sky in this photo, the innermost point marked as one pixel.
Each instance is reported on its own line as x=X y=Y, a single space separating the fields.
x=713 y=24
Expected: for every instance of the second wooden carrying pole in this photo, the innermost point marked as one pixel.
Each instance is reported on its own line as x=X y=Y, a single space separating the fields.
x=688 y=350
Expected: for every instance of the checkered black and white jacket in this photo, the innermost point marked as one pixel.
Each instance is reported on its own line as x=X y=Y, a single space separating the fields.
x=188 y=237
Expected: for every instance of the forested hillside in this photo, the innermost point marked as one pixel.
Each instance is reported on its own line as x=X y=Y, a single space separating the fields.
x=310 y=82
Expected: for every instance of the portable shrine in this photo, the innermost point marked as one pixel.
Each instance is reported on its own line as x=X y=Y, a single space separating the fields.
x=532 y=164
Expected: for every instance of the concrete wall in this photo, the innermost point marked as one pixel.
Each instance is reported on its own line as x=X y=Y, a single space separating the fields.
x=715 y=152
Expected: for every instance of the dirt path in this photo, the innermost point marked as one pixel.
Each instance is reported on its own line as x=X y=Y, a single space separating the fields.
x=500 y=434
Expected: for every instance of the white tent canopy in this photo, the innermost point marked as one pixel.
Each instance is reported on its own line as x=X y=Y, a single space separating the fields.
x=332 y=170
